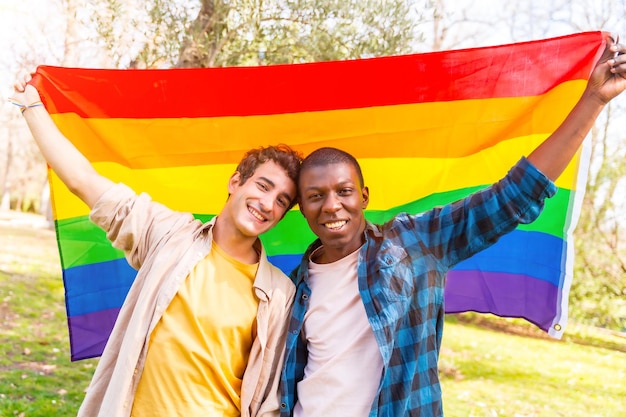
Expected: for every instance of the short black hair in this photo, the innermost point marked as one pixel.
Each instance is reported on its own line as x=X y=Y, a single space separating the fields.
x=326 y=156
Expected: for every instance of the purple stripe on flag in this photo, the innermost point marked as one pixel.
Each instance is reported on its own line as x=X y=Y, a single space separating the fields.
x=89 y=332
x=505 y=295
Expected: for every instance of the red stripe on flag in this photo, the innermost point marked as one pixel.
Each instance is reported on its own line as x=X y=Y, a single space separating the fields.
x=531 y=69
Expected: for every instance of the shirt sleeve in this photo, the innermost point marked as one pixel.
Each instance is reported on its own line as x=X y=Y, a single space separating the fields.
x=458 y=230
x=134 y=223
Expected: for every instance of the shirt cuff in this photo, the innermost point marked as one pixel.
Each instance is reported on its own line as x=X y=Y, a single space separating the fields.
x=108 y=202
x=531 y=181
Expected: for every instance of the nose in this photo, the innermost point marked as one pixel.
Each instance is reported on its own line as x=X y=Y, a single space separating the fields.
x=331 y=203
x=266 y=203
x=270 y=201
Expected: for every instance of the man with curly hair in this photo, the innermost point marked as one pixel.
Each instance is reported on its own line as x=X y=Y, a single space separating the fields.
x=202 y=329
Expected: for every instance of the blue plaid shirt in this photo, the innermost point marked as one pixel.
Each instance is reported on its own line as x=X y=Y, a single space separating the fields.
x=401 y=275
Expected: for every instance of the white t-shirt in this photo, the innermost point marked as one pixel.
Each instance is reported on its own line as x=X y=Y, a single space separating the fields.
x=344 y=367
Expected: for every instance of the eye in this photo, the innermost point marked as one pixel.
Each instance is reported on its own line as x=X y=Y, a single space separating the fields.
x=345 y=191
x=283 y=202
x=262 y=186
x=314 y=196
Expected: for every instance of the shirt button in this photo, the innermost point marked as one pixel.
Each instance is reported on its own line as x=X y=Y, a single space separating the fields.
x=305 y=297
x=136 y=371
x=283 y=405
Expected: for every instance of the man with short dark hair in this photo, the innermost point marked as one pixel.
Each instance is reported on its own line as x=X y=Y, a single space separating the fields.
x=367 y=321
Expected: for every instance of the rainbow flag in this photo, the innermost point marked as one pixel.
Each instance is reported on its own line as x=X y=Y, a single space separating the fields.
x=427 y=128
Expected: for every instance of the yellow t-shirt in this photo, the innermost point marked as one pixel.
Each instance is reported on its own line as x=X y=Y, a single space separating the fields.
x=199 y=349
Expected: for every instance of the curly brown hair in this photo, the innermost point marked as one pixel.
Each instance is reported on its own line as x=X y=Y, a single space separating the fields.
x=281 y=154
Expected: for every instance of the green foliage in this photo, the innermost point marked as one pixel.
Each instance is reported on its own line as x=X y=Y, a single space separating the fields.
x=598 y=293
x=254 y=32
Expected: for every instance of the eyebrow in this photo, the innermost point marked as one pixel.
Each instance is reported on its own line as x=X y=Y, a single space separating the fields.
x=345 y=183
x=271 y=183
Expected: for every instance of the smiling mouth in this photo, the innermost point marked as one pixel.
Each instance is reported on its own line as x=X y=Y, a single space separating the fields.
x=335 y=225
x=256 y=214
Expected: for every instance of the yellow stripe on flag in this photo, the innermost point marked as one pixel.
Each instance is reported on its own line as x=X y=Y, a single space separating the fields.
x=422 y=130
x=390 y=179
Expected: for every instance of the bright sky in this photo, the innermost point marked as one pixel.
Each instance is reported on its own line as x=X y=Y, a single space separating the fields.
x=8 y=12
x=26 y=26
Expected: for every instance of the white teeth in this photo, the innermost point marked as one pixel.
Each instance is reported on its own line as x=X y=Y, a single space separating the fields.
x=256 y=214
x=335 y=225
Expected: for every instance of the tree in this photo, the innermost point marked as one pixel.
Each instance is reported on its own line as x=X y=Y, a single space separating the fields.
x=598 y=290
x=23 y=177
x=255 y=32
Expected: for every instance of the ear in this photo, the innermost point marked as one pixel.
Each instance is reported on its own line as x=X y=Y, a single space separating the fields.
x=233 y=182
x=365 y=192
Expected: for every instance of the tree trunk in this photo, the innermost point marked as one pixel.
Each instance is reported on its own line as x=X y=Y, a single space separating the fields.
x=193 y=53
x=5 y=202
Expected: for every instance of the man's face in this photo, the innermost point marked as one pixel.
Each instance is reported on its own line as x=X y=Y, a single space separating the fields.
x=261 y=201
x=332 y=201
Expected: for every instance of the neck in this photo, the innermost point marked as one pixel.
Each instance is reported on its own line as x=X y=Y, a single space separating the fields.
x=328 y=254
x=243 y=248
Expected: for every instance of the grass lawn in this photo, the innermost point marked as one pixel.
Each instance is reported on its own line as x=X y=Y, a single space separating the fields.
x=490 y=373
x=37 y=377
x=513 y=371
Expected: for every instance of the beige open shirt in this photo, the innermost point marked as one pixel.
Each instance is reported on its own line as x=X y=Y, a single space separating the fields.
x=164 y=246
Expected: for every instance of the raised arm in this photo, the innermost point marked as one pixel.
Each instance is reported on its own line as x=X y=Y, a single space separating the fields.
x=65 y=160
x=606 y=82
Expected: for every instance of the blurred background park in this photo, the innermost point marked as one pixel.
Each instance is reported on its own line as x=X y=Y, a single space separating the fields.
x=491 y=367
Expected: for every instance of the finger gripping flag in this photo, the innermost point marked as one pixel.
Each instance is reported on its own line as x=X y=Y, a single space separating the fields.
x=427 y=128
